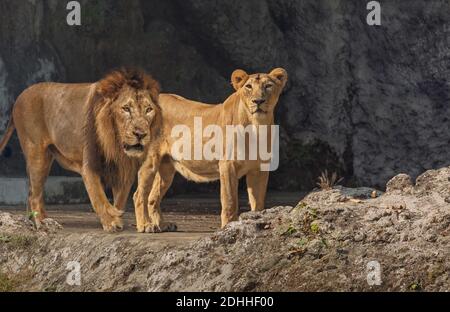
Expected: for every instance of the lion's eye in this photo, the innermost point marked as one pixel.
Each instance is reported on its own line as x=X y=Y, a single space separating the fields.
x=148 y=110
x=269 y=86
x=126 y=109
x=249 y=86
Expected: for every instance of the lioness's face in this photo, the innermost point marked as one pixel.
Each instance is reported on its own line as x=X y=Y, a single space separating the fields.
x=260 y=92
x=135 y=112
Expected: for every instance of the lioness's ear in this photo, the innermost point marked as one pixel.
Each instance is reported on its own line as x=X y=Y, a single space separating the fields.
x=280 y=75
x=238 y=78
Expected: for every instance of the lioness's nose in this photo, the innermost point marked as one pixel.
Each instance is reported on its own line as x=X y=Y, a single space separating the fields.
x=259 y=101
x=139 y=134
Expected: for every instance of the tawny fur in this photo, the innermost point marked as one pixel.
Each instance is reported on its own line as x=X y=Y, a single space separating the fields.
x=86 y=129
x=156 y=174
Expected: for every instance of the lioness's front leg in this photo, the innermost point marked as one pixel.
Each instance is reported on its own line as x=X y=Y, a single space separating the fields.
x=257 y=188
x=110 y=217
x=146 y=177
x=161 y=184
x=228 y=192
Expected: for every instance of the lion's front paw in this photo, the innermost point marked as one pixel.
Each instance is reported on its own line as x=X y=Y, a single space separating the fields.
x=117 y=223
x=112 y=225
x=164 y=227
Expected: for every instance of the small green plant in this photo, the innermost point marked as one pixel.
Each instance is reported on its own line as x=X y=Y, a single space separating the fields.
x=314 y=227
x=32 y=215
x=415 y=286
x=302 y=242
x=291 y=230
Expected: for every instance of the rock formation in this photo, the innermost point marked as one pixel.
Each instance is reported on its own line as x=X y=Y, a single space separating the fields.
x=367 y=101
x=330 y=241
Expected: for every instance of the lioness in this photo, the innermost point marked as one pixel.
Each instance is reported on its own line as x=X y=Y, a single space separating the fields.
x=253 y=103
x=100 y=130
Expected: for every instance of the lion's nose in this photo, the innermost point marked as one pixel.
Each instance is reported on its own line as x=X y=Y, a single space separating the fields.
x=259 y=101
x=139 y=134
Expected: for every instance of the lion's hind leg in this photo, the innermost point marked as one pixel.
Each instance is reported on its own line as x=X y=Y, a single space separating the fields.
x=39 y=161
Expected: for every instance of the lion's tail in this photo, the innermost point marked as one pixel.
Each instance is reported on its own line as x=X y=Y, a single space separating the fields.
x=7 y=136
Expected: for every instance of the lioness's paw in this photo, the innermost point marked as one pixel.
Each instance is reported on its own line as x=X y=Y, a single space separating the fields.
x=140 y=228
x=165 y=227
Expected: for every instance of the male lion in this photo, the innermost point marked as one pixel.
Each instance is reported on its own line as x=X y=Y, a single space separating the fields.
x=100 y=130
x=253 y=103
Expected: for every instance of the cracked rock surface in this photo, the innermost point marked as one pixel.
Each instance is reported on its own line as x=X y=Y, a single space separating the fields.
x=325 y=243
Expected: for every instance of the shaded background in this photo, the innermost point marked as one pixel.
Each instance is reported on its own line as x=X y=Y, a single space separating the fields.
x=366 y=101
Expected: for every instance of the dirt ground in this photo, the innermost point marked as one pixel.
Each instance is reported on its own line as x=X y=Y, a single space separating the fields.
x=195 y=216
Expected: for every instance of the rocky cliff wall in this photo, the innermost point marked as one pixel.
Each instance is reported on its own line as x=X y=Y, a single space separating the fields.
x=367 y=101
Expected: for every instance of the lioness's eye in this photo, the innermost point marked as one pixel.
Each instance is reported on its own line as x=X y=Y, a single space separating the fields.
x=269 y=86
x=126 y=109
x=148 y=110
x=249 y=86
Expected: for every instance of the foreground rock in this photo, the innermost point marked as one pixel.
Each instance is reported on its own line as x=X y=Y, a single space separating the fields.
x=325 y=243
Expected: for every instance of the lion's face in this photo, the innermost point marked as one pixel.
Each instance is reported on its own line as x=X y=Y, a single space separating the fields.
x=134 y=113
x=260 y=92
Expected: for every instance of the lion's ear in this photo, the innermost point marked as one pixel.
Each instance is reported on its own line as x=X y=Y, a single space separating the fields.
x=238 y=78
x=280 y=75
x=108 y=89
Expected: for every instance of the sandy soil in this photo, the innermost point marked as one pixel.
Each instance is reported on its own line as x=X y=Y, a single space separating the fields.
x=195 y=216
